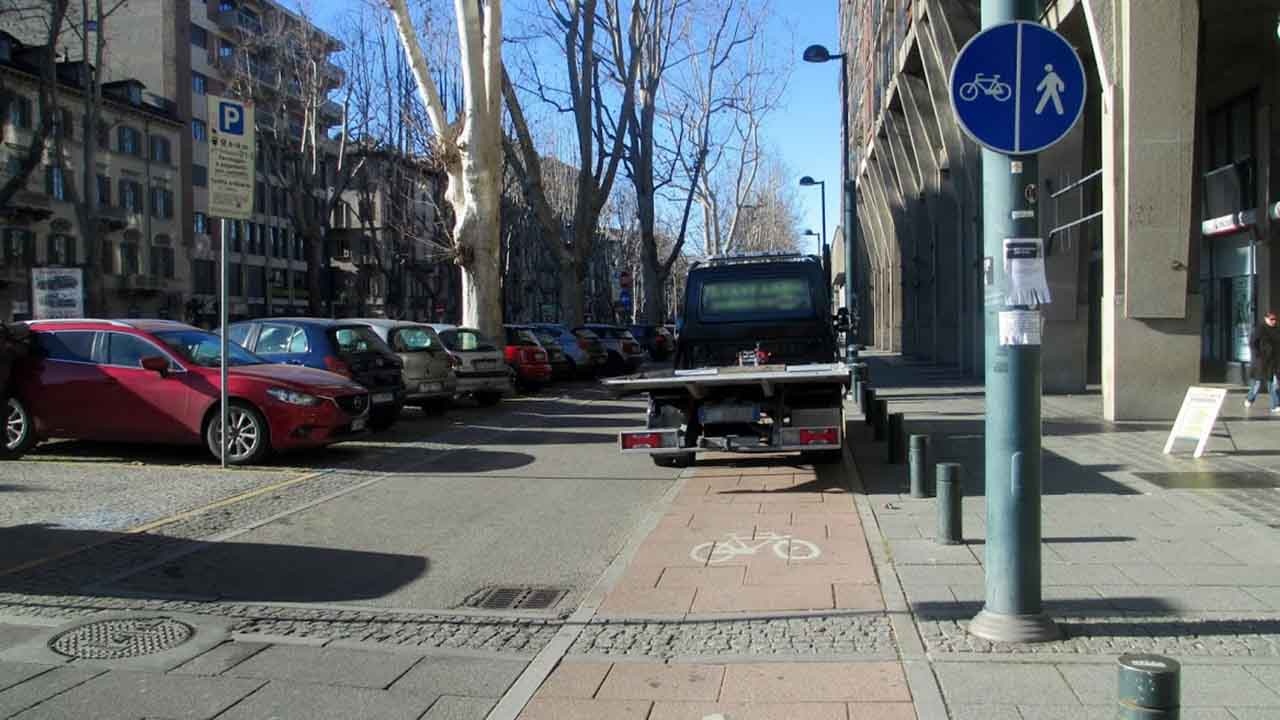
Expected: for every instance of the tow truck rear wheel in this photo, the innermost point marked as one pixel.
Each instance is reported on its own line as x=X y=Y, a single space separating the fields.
x=682 y=460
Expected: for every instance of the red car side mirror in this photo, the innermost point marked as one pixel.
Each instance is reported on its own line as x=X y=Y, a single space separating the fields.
x=156 y=364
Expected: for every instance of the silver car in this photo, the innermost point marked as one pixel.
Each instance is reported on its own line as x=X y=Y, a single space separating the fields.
x=481 y=369
x=429 y=379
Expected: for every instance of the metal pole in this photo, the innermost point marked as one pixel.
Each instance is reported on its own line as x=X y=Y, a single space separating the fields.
x=822 y=188
x=918 y=466
x=1149 y=688
x=1013 y=611
x=950 y=493
x=847 y=156
x=222 y=343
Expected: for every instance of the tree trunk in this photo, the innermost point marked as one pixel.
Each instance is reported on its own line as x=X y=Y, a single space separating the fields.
x=317 y=264
x=477 y=230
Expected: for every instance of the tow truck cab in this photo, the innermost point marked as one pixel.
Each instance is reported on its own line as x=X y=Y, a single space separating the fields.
x=756 y=366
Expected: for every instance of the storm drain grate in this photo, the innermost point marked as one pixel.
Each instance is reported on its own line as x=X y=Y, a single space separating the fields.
x=121 y=638
x=516 y=598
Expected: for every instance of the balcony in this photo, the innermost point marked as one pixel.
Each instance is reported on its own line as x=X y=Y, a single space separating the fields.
x=143 y=284
x=333 y=74
x=330 y=113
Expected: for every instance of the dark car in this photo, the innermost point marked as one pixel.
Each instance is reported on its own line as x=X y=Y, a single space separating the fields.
x=344 y=347
x=656 y=339
x=158 y=381
x=624 y=351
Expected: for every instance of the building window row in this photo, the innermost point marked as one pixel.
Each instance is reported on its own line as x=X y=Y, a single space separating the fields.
x=18 y=248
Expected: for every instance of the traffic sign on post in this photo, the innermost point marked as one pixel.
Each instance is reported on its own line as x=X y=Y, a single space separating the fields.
x=1017 y=88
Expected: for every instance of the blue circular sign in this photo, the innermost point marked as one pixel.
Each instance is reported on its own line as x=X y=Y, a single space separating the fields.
x=1017 y=88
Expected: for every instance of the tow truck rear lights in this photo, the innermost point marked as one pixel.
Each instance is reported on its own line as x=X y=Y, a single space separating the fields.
x=819 y=436
x=647 y=439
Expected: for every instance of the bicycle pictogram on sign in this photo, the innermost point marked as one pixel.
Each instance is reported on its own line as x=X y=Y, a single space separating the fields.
x=989 y=85
x=737 y=545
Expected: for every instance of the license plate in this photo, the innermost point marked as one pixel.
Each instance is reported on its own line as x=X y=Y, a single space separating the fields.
x=384 y=397
x=486 y=364
x=430 y=387
x=358 y=424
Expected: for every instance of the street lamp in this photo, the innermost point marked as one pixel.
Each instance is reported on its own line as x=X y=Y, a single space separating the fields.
x=807 y=181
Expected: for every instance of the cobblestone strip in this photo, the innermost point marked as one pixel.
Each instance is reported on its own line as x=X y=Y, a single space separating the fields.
x=1164 y=635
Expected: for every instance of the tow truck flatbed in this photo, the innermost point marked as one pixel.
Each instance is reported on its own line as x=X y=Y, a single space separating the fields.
x=694 y=380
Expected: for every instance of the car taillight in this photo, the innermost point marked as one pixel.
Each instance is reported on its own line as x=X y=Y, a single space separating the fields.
x=634 y=441
x=512 y=353
x=336 y=365
x=819 y=436
x=762 y=357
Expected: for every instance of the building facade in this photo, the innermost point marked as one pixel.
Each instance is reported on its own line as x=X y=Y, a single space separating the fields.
x=1156 y=210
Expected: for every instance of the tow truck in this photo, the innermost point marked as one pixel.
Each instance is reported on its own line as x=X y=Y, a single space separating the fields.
x=755 y=367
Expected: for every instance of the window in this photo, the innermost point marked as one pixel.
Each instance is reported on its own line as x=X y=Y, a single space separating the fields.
x=297 y=248
x=103 y=136
x=19 y=247
x=63 y=124
x=226 y=6
x=131 y=196
x=199 y=82
x=161 y=150
x=161 y=203
x=61 y=249
x=104 y=191
x=198 y=130
x=200 y=223
x=108 y=258
x=257 y=282
x=56 y=182
x=253 y=238
x=239 y=333
x=129 y=350
x=356 y=339
x=162 y=261
x=736 y=298
x=260 y=197
x=414 y=339
x=20 y=112
x=199 y=36
x=129 y=264
x=226 y=50
x=129 y=140
x=275 y=242
x=235 y=283
x=300 y=281
x=204 y=275
x=199 y=175
x=466 y=340
x=68 y=345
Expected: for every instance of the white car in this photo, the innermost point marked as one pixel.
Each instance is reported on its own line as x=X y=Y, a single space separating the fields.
x=482 y=369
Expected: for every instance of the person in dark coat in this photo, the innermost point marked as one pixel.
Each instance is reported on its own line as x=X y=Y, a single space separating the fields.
x=1265 y=367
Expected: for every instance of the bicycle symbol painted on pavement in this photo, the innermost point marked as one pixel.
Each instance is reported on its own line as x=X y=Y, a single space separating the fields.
x=989 y=85
x=735 y=546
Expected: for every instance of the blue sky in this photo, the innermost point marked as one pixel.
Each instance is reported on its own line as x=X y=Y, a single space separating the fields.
x=805 y=130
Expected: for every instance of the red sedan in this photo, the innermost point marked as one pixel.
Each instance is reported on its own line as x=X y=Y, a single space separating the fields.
x=158 y=381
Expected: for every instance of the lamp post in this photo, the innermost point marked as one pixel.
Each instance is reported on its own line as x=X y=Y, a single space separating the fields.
x=820 y=54
x=807 y=181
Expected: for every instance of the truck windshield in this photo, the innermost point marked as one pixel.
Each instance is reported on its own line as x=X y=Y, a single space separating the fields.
x=741 y=298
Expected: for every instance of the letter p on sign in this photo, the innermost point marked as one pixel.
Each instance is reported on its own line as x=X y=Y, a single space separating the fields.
x=231 y=118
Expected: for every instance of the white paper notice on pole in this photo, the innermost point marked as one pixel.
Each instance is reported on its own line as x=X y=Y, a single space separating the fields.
x=1196 y=417
x=1024 y=268
x=231 y=158
x=57 y=293
x=1020 y=327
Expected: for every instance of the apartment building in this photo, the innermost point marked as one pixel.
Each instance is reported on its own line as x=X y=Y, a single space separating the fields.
x=1156 y=211
x=141 y=251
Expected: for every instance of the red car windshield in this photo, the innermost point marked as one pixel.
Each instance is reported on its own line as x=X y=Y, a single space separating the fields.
x=202 y=348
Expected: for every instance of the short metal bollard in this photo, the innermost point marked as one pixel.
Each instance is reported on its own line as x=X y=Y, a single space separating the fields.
x=879 y=419
x=897 y=439
x=868 y=404
x=1150 y=688
x=918 y=466
x=950 y=491
x=855 y=391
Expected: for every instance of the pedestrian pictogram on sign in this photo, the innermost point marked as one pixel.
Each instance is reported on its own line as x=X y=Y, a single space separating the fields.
x=1017 y=88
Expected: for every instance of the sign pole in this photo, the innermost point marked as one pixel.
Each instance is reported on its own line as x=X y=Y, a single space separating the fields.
x=1013 y=610
x=222 y=340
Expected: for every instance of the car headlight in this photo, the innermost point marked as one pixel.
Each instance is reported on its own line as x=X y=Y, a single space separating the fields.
x=293 y=397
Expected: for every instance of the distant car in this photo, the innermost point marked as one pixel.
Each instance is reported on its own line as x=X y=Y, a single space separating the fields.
x=345 y=347
x=583 y=349
x=428 y=370
x=656 y=339
x=563 y=367
x=625 y=352
x=481 y=368
x=527 y=357
x=157 y=381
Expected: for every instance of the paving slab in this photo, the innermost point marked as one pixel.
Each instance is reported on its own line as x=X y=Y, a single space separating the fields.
x=815 y=682
x=985 y=711
x=469 y=677
x=328 y=666
x=577 y=709
x=42 y=687
x=13 y=673
x=1002 y=683
x=131 y=695
x=455 y=707
x=573 y=679
x=11 y=635
x=652 y=681
x=295 y=701
x=220 y=659
x=756 y=711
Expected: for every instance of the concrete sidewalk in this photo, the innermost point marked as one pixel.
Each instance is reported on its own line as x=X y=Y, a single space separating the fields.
x=1142 y=552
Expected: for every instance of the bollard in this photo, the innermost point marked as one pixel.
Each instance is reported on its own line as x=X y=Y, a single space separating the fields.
x=868 y=404
x=897 y=440
x=918 y=466
x=1149 y=688
x=855 y=391
x=879 y=419
x=950 y=492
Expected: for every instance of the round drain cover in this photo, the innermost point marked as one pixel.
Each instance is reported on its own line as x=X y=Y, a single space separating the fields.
x=121 y=638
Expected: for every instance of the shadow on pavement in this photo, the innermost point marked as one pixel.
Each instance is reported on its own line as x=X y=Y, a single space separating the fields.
x=465 y=461
x=1061 y=607
x=216 y=571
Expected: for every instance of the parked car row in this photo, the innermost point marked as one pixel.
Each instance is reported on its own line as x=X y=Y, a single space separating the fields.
x=294 y=382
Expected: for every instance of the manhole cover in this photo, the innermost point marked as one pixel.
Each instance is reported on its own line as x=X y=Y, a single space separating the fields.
x=121 y=638
x=516 y=598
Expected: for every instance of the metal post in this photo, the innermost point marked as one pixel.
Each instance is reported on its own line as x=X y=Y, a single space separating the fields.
x=1149 y=688
x=879 y=419
x=1013 y=611
x=918 y=466
x=896 y=444
x=868 y=404
x=850 y=258
x=950 y=491
x=222 y=343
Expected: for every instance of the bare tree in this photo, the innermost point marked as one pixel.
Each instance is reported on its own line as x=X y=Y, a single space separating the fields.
x=50 y=13
x=469 y=148
x=766 y=218
x=582 y=31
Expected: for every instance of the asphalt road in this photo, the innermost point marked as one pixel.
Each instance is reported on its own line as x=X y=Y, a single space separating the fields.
x=532 y=492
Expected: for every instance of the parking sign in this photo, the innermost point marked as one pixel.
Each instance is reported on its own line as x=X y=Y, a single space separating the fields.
x=231 y=158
